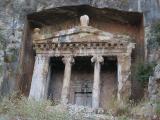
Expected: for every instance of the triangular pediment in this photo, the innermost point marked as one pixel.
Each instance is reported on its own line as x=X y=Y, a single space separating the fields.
x=89 y=34
x=80 y=39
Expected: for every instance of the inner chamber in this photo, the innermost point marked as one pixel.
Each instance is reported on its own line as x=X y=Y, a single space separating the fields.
x=82 y=77
x=82 y=82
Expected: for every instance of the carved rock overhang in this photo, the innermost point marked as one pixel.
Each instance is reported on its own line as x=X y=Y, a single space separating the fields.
x=84 y=41
x=53 y=15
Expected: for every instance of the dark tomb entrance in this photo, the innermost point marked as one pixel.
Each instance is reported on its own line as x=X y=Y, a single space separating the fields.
x=82 y=82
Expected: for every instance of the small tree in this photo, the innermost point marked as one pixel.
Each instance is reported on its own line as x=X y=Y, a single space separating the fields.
x=143 y=72
x=2 y=47
x=156 y=32
x=154 y=36
x=2 y=41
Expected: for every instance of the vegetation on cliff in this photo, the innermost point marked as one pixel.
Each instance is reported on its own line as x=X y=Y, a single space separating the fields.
x=154 y=36
x=143 y=72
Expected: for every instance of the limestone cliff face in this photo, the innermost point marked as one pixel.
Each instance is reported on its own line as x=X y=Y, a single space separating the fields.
x=13 y=16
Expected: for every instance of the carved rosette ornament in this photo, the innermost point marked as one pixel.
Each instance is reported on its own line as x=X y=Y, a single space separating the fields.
x=84 y=20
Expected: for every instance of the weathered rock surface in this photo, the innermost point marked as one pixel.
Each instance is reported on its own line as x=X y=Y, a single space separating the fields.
x=154 y=85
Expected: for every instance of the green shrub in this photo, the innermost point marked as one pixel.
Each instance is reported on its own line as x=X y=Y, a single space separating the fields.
x=123 y=118
x=154 y=37
x=118 y=109
x=1 y=69
x=10 y=58
x=158 y=109
x=155 y=28
x=143 y=72
x=2 y=41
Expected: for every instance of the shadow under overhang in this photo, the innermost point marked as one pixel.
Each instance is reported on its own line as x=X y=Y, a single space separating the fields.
x=50 y=16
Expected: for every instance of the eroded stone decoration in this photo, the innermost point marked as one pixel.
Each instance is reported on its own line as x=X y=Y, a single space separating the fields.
x=36 y=35
x=84 y=20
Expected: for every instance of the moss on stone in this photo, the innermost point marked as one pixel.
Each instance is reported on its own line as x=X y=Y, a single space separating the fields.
x=143 y=72
x=1 y=69
x=158 y=109
x=10 y=58
x=154 y=38
x=156 y=31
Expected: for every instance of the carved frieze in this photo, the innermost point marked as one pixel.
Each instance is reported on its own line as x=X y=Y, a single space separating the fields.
x=74 y=45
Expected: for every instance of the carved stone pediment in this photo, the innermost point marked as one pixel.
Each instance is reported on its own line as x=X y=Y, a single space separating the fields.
x=84 y=40
x=87 y=33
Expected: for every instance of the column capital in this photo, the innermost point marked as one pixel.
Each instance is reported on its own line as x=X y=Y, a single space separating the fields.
x=41 y=57
x=123 y=57
x=68 y=59
x=97 y=58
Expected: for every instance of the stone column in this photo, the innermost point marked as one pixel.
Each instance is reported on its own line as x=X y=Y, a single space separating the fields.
x=67 y=60
x=39 y=85
x=96 y=83
x=124 y=72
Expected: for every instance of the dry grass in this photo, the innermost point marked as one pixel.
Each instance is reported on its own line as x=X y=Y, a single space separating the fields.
x=13 y=108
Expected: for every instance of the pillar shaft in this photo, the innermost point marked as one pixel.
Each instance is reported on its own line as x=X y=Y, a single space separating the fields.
x=39 y=85
x=66 y=80
x=124 y=82
x=96 y=83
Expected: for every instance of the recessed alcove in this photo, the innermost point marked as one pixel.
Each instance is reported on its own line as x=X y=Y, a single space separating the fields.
x=56 y=79
x=66 y=17
x=82 y=77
